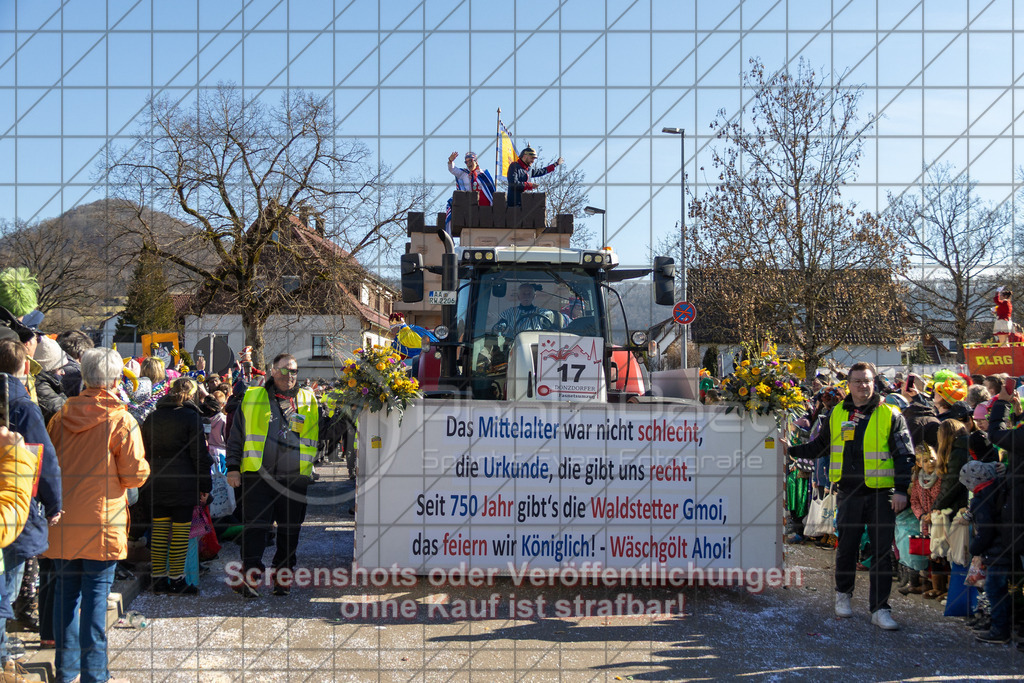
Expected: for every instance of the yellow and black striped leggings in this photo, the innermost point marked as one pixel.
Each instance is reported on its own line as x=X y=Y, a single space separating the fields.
x=168 y=542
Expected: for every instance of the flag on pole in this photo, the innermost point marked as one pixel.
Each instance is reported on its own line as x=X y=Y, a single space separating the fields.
x=485 y=183
x=506 y=150
x=448 y=217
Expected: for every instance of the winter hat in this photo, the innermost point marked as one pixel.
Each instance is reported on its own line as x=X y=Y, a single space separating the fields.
x=470 y=155
x=951 y=390
x=133 y=365
x=981 y=411
x=49 y=355
x=975 y=473
x=18 y=291
x=897 y=400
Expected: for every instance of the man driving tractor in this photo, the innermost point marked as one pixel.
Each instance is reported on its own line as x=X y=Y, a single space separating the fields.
x=526 y=316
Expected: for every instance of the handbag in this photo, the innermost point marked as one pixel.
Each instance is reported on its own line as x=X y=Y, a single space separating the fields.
x=939 y=529
x=821 y=516
x=959 y=540
x=222 y=497
x=920 y=545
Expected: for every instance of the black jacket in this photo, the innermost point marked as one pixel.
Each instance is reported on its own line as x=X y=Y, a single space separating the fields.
x=282 y=458
x=981 y=448
x=987 y=512
x=519 y=176
x=953 y=494
x=1011 y=440
x=50 y=394
x=71 y=378
x=958 y=411
x=176 y=451
x=852 y=481
x=921 y=421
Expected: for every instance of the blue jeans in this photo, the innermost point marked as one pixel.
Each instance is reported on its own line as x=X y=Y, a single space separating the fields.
x=82 y=639
x=9 y=588
x=996 y=582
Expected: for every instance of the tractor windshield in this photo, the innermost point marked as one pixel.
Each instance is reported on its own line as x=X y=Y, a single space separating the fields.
x=505 y=303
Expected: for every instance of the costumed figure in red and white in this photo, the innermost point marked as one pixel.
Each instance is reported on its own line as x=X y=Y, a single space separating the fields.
x=1003 y=325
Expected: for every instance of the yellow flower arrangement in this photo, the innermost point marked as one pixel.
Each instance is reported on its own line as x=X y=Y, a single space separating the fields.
x=764 y=385
x=377 y=380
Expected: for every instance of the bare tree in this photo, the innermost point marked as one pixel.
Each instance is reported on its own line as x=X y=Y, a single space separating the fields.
x=567 y=193
x=777 y=227
x=51 y=250
x=238 y=173
x=960 y=238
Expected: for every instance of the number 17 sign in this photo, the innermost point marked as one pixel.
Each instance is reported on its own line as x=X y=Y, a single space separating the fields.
x=569 y=367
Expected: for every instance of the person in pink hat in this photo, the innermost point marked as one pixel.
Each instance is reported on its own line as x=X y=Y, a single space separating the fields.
x=978 y=443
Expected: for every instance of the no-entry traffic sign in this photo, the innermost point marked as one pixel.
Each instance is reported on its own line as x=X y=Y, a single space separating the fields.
x=684 y=312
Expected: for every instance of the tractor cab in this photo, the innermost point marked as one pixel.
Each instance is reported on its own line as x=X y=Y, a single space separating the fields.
x=507 y=298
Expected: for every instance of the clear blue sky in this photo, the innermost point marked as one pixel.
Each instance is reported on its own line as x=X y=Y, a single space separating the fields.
x=591 y=80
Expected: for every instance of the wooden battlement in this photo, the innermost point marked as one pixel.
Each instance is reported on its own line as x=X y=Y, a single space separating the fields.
x=498 y=225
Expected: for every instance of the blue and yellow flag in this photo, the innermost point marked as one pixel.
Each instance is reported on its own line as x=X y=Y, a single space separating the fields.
x=506 y=151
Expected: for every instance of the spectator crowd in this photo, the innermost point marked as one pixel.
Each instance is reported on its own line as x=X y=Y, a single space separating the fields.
x=933 y=500
x=101 y=454
x=916 y=480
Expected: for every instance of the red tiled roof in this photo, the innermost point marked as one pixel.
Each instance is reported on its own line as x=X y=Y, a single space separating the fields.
x=317 y=244
x=182 y=304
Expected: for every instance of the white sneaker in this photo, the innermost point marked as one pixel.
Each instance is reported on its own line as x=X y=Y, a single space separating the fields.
x=882 y=618
x=843 y=608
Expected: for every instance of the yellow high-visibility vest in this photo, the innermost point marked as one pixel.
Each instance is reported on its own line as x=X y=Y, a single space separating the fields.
x=879 y=471
x=256 y=412
x=329 y=400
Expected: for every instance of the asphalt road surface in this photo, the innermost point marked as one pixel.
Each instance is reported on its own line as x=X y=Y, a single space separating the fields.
x=702 y=633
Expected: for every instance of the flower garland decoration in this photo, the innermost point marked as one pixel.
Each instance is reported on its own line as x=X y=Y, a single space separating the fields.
x=763 y=385
x=376 y=379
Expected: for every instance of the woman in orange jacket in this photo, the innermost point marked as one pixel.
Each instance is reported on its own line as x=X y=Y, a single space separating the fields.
x=101 y=456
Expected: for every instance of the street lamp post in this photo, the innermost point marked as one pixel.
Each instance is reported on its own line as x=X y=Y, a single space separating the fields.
x=592 y=210
x=209 y=362
x=682 y=222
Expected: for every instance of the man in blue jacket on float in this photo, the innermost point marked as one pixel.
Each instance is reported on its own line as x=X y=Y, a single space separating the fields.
x=519 y=174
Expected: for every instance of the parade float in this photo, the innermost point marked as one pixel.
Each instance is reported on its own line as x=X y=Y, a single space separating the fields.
x=542 y=442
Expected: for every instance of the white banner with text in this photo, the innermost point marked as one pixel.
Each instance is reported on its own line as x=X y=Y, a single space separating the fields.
x=500 y=486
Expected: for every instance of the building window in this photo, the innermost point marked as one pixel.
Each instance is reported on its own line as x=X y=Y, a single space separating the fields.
x=290 y=283
x=364 y=294
x=321 y=350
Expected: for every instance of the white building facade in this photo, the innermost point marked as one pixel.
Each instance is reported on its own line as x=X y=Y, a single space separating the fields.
x=319 y=342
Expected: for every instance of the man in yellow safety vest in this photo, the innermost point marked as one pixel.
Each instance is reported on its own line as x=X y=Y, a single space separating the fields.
x=270 y=454
x=870 y=460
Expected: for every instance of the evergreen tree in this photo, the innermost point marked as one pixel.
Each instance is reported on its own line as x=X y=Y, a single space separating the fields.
x=149 y=305
x=710 y=360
